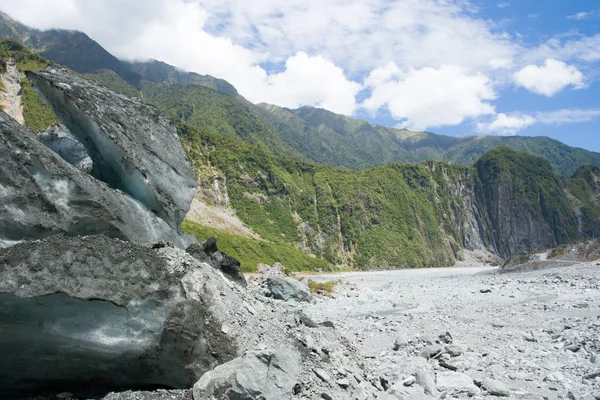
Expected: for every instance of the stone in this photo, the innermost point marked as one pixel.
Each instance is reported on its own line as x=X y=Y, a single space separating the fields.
x=495 y=387
x=411 y=380
x=426 y=381
x=344 y=383
x=431 y=351
x=486 y=290
x=268 y=375
x=453 y=350
x=134 y=147
x=284 y=288
x=43 y=195
x=109 y=312
x=455 y=382
x=322 y=374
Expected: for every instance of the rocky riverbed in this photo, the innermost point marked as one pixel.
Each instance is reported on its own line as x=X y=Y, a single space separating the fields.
x=473 y=332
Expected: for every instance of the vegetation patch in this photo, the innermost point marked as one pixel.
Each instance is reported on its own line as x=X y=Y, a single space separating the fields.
x=37 y=113
x=251 y=252
x=322 y=287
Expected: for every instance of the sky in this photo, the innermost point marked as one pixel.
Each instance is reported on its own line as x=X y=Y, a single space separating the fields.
x=454 y=67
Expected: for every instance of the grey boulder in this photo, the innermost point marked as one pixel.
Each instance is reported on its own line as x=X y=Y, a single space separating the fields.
x=495 y=387
x=284 y=288
x=265 y=375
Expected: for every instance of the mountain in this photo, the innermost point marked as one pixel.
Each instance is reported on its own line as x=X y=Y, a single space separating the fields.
x=338 y=140
x=398 y=215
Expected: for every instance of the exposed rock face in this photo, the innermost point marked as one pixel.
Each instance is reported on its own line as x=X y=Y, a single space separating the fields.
x=99 y=310
x=10 y=100
x=42 y=195
x=133 y=146
x=268 y=375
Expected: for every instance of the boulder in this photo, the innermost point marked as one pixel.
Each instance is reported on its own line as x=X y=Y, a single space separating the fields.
x=284 y=288
x=455 y=382
x=495 y=387
x=426 y=381
x=267 y=375
x=42 y=195
x=133 y=146
x=112 y=314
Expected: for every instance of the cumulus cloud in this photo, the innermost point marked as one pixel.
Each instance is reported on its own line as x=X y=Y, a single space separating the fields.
x=550 y=78
x=503 y=124
x=506 y=125
x=429 y=97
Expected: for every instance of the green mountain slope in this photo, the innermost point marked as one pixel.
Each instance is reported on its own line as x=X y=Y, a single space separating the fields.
x=338 y=140
x=397 y=215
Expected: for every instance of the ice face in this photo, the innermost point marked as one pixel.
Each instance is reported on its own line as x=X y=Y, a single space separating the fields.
x=47 y=338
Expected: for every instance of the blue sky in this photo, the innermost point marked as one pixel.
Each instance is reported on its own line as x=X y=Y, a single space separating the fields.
x=456 y=67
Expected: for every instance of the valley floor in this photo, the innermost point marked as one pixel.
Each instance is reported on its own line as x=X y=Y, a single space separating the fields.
x=538 y=332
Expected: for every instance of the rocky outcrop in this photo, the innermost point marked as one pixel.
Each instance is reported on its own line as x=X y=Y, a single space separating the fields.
x=133 y=146
x=42 y=195
x=103 y=311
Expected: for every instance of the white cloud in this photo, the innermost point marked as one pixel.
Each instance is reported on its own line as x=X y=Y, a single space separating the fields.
x=312 y=80
x=579 y=15
x=503 y=5
x=550 y=78
x=506 y=125
x=429 y=97
x=503 y=124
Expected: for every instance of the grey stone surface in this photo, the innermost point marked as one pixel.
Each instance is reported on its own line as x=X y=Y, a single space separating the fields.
x=284 y=288
x=495 y=387
x=268 y=375
x=134 y=147
x=42 y=195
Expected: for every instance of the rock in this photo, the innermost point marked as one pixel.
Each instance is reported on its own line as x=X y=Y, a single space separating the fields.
x=209 y=253
x=64 y=395
x=592 y=375
x=411 y=380
x=528 y=336
x=111 y=313
x=134 y=147
x=455 y=382
x=453 y=350
x=43 y=195
x=486 y=290
x=269 y=375
x=344 y=383
x=431 y=351
x=495 y=387
x=284 y=288
x=445 y=337
x=427 y=382
x=322 y=374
